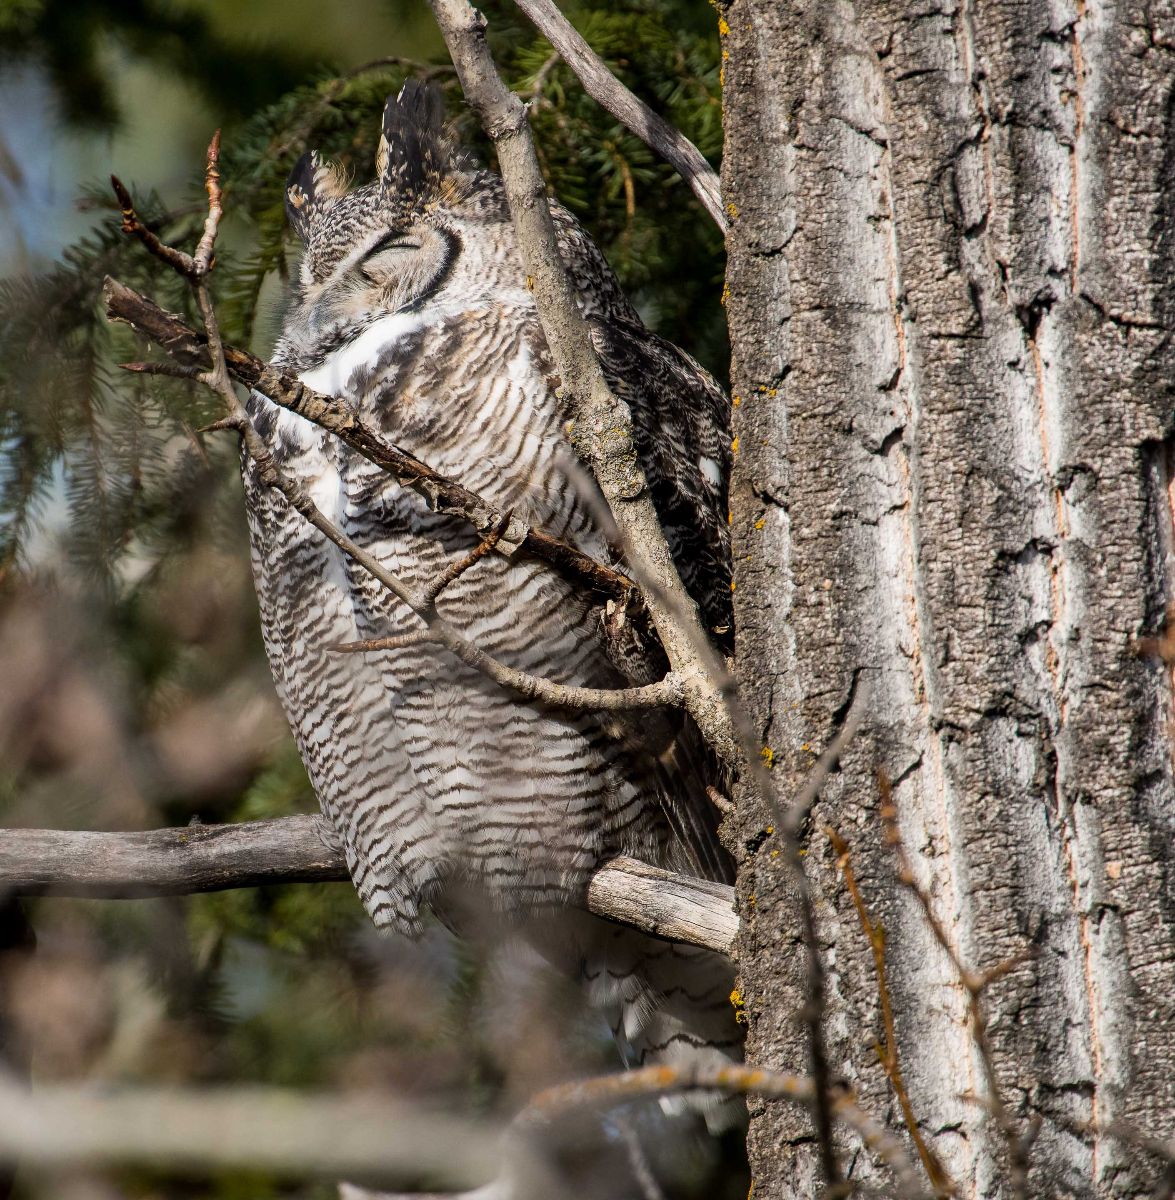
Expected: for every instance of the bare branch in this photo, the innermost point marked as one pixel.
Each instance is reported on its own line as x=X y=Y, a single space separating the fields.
x=132 y=224
x=887 y=1051
x=973 y=983
x=213 y=858
x=394 y=641
x=190 y=349
x=669 y=691
x=169 y=370
x=295 y=1135
x=202 y=261
x=678 y=908
x=803 y=800
x=608 y=1091
x=601 y=425
x=454 y=572
x=634 y=114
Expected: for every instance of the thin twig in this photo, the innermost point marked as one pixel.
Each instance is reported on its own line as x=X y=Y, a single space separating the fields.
x=131 y=223
x=168 y=370
x=668 y=692
x=454 y=572
x=720 y=802
x=190 y=350
x=608 y=1091
x=887 y=1052
x=973 y=984
x=395 y=641
x=268 y=1129
x=205 y=248
x=803 y=800
x=634 y=114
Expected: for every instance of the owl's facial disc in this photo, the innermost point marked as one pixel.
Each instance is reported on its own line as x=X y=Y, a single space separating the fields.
x=392 y=271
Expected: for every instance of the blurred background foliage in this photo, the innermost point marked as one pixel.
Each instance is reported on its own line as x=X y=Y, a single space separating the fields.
x=136 y=691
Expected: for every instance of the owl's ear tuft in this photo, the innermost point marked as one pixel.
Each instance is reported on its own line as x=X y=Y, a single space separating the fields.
x=415 y=152
x=312 y=187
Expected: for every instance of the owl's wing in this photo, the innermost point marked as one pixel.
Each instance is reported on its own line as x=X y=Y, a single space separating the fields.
x=681 y=424
x=681 y=421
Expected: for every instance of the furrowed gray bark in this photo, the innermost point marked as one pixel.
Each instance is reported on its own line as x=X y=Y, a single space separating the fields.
x=952 y=258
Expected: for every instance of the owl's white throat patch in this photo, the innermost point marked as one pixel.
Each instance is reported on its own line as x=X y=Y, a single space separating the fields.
x=333 y=375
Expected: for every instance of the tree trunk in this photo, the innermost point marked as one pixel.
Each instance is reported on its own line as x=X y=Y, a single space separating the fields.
x=950 y=282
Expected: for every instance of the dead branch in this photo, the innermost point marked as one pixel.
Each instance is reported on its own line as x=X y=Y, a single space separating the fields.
x=634 y=114
x=189 y=349
x=609 y=1091
x=601 y=425
x=292 y=1134
x=455 y=570
x=212 y=858
x=206 y=247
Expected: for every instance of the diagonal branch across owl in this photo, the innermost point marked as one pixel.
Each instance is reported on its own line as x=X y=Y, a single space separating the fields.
x=667 y=692
x=189 y=351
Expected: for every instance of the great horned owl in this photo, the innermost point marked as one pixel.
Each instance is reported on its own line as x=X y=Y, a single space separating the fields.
x=413 y=307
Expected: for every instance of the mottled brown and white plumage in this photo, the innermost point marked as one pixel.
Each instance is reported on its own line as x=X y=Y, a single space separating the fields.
x=412 y=305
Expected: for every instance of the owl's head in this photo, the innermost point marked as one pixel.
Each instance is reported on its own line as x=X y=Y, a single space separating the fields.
x=429 y=223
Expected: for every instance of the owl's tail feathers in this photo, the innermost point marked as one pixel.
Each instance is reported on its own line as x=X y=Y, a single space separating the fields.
x=668 y=1005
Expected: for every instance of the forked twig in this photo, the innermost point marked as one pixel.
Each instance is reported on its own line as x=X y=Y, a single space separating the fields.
x=454 y=572
x=667 y=692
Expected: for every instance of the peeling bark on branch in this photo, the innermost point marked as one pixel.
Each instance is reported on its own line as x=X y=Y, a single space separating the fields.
x=211 y=858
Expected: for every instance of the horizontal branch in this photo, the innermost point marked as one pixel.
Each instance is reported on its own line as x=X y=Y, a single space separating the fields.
x=189 y=349
x=211 y=858
x=291 y=1134
x=634 y=114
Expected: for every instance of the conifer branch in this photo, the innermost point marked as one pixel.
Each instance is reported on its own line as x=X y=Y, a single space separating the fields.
x=634 y=114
